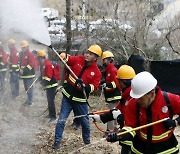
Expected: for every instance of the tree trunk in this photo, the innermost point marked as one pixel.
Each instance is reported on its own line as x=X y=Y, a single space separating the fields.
x=68 y=37
x=68 y=26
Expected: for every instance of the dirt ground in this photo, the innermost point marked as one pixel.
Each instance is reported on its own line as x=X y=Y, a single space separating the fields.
x=25 y=129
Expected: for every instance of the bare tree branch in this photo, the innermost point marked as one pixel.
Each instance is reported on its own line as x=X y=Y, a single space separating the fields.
x=169 y=42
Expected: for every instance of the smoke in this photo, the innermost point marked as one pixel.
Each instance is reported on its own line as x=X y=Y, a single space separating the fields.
x=24 y=16
x=168 y=15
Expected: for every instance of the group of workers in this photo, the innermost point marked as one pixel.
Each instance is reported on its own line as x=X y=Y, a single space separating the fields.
x=133 y=99
x=20 y=64
x=23 y=65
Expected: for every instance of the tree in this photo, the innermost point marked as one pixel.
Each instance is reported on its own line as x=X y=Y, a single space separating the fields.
x=68 y=25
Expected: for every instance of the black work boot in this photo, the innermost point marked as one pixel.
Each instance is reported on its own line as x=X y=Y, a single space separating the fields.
x=56 y=145
x=87 y=142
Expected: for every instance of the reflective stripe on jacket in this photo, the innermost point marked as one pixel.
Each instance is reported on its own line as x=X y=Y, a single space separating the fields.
x=27 y=64
x=159 y=111
x=3 y=60
x=14 y=60
x=47 y=75
x=91 y=77
x=111 y=91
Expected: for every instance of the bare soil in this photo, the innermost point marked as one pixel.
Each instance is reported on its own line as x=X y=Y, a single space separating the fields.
x=25 y=129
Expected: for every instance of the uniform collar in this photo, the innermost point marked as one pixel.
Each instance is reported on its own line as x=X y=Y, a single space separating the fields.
x=109 y=66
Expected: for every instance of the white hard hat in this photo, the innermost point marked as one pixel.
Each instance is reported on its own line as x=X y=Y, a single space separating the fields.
x=141 y=84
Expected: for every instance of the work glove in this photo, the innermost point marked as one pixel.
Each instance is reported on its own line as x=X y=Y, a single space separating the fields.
x=103 y=85
x=115 y=113
x=81 y=85
x=79 y=81
x=113 y=137
x=95 y=117
x=170 y=124
x=120 y=120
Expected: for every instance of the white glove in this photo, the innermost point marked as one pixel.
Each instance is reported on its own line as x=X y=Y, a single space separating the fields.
x=103 y=85
x=115 y=113
x=95 y=117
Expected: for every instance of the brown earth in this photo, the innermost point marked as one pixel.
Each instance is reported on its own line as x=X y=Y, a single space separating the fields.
x=25 y=129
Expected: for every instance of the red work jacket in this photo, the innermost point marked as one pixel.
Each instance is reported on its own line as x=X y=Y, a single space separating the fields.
x=3 y=60
x=91 y=77
x=27 y=64
x=47 y=75
x=111 y=91
x=124 y=100
x=14 y=60
x=135 y=118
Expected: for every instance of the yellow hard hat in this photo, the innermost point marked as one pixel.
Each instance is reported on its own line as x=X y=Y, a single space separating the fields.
x=125 y=72
x=95 y=49
x=107 y=54
x=41 y=53
x=24 y=44
x=11 y=41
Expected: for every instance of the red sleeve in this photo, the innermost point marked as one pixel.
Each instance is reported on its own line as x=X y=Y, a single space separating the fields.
x=131 y=114
x=175 y=103
x=71 y=60
x=114 y=74
x=5 y=58
x=31 y=60
x=49 y=71
x=14 y=57
x=96 y=80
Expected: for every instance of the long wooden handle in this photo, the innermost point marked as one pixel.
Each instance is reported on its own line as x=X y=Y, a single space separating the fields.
x=65 y=63
x=143 y=126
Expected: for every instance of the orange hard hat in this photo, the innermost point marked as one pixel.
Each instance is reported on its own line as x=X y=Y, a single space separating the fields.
x=107 y=54
x=24 y=44
x=126 y=72
x=41 y=53
x=11 y=41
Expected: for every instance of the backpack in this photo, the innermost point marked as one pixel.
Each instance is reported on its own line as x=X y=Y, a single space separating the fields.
x=56 y=70
x=166 y=98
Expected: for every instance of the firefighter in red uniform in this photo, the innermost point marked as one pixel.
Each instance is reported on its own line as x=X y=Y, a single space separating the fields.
x=124 y=75
x=3 y=66
x=49 y=81
x=149 y=104
x=111 y=86
x=27 y=72
x=89 y=76
x=14 y=68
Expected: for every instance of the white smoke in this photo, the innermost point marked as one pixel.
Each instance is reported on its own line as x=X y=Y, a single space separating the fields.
x=24 y=16
x=168 y=15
